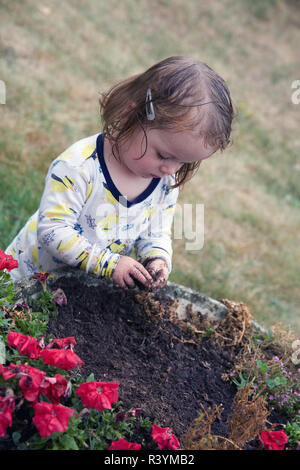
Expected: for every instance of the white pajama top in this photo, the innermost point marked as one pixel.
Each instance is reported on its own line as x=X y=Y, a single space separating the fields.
x=85 y=222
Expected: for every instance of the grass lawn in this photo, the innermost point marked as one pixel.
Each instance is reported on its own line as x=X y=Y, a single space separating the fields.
x=57 y=57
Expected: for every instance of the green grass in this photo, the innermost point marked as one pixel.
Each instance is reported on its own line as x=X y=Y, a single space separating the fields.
x=19 y=198
x=57 y=57
x=260 y=8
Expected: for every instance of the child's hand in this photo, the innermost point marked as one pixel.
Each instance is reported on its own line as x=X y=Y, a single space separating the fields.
x=158 y=269
x=128 y=270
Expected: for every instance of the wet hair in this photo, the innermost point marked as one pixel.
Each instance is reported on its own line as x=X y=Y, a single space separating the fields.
x=187 y=95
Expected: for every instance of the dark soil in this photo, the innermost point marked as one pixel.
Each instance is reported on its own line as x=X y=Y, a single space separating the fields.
x=159 y=370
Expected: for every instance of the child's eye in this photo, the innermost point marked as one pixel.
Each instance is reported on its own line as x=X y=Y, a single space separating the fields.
x=165 y=158
x=161 y=157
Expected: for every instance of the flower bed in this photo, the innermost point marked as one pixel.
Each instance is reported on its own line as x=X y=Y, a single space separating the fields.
x=101 y=370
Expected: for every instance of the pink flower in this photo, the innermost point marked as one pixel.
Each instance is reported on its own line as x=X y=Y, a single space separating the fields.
x=61 y=358
x=122 y=444
x=98 y=395
x=135 y=412
x=164 y=438
x=60 y=297
x=26 y=345
x=49 y=418
x=273 y=440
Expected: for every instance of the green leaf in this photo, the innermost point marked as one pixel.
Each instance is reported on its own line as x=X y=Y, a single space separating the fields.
x=91 y=378
x=270 y=383
x=242 y=382
x=277 y=381
x=68 y=442
x=16 y=436
x=262 y=366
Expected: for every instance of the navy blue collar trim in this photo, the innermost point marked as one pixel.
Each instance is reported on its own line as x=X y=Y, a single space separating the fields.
x=111 y=186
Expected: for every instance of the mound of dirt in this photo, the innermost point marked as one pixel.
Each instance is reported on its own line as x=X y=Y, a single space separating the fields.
x=128 y=337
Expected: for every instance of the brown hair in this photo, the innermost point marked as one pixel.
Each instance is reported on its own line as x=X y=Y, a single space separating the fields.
x=187 y=95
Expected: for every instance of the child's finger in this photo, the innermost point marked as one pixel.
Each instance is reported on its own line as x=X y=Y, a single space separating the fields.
x=159 y=279
x=152 y=273
x=158 y=275
x=129 y=282
x=142 y=275
x=145 y=272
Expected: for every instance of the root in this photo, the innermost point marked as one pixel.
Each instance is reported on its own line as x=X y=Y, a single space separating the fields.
x=248 y=419
x=153 y=308
x=231 y=331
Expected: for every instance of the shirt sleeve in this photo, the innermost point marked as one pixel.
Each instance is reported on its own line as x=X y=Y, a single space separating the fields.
x=155 y=241
x=67 y=189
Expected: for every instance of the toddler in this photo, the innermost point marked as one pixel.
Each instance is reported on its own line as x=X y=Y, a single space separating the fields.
x=113 y=194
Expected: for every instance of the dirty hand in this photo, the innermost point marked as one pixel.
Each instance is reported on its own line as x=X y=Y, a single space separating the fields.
x=127 y=270
x=158 y=269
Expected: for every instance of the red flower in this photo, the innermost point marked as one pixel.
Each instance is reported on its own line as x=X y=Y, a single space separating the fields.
x=41 y=276
x=273 y=440
x=49 y=418
x=9 y=372
x=62 y=342
x=7 y=261
x=164 y=438
x=54 y=387
x=7 y=406
x=98 y=395
x=61 y=358
x=13 y=370
x=121 y=444
x=30 y=379
x=30 y=382
x=26 y=345
x=33 y=382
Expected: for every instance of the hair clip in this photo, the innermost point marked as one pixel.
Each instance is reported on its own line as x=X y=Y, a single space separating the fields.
x=149 y=106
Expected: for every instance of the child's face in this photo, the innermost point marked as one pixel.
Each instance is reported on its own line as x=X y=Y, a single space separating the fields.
x=167 y=151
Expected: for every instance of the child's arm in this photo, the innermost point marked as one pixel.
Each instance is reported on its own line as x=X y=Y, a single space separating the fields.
x=66 y=192
x=155 y=242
